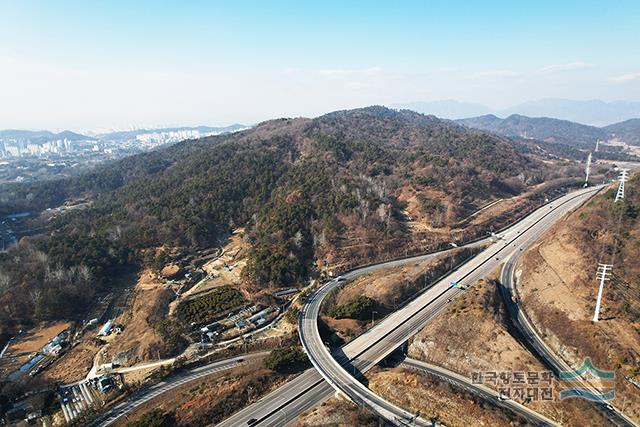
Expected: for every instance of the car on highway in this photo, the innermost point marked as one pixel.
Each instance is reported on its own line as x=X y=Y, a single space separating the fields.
x=252 y=421
x=340 y=279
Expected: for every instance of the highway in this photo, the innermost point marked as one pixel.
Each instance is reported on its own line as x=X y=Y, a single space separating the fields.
x=141 y=397
x=532 y=339
x=377 y=343
x=309 y=389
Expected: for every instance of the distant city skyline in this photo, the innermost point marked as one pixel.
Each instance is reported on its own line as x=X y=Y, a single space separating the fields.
x=115 y=65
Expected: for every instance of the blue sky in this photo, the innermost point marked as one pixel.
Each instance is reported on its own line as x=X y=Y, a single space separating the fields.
x=116 y=64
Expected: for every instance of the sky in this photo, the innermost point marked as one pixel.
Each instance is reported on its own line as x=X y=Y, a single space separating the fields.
x=122 y=64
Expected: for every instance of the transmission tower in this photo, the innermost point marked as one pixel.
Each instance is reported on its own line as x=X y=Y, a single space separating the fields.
x=603 y=273
x=587 y=170
x=597 y=144
x=604 y=270
x=624 y=175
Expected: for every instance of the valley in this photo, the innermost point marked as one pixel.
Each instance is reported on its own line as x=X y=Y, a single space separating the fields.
x=210 y=248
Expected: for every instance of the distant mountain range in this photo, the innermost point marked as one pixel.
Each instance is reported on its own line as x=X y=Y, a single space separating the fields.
x=42 y=136
x=541 y=128
x=555 y=130
x=627 y=131
x=592 y=112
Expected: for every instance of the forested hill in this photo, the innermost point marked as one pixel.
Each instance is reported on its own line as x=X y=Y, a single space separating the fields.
x=301 y=186
x=540 y=128
x=627 y=131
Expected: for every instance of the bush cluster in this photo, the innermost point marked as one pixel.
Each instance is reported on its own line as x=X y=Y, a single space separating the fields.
x=206 y=307
x=286 y=359
x=359 y=308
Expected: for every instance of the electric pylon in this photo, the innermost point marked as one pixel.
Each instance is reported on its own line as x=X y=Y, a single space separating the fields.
x=624 y=175
x=603 y=273
x=587 y=170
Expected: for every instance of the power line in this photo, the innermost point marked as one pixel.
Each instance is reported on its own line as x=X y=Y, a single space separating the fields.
x=604 y=271
x=632 y=293
x=622 y=280
x=624 y=284
x=628 y=297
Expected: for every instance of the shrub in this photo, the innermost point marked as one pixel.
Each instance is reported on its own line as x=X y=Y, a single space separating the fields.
x=292 y=315
x=359 y=307
x=286 y=359
x=154 y=418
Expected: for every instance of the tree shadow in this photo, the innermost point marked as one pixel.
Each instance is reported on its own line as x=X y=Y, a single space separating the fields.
x=328 y=335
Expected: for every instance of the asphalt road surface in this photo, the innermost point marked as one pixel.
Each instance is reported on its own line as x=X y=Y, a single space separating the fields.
x=388 y=335
x=309 y=388
x=143 y=396
x=534 y=342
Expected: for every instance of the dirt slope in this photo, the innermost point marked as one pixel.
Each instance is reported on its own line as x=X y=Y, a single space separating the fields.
x=472 y=336
x=558 y=288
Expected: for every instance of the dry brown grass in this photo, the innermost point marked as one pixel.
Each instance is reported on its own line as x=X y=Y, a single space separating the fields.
x=21 y=349
x=336 y=412
x=75 y=364
x=472 y=335
x=556 y=280
x=139 y=339
x=416 y=392
x=38 y=337
x=214 y=398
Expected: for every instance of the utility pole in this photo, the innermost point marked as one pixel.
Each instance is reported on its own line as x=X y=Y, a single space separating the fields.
x=624 y=175
x=604 y=270
x=603 y=273
x=373 y=321
x=586 y=171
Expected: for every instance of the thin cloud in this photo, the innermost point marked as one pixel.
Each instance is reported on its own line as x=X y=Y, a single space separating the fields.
x=291 y=70
x=347 y=72
x=357 y=79
x=492 y=74
x=625 y=77
x=578 y=65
